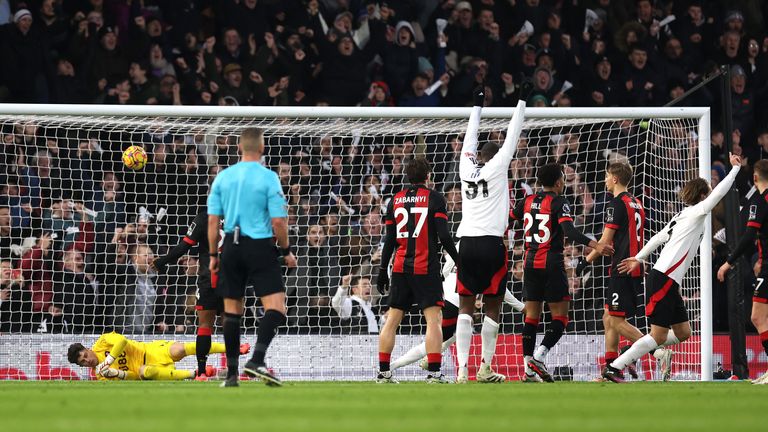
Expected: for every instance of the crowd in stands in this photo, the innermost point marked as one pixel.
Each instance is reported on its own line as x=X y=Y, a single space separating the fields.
x=78 y=232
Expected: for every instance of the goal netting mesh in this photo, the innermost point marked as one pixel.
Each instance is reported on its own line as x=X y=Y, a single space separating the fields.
x=78 y=230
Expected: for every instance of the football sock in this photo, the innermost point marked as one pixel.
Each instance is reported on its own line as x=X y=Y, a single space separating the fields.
x=433 y=361
x=413 y=355
x=202 y=347
x=764 y=339
x=555 y=331
x=529 y=336
x=463 y=338
x=232 y=342
x=384 y=361
x=489 y=334
x=643 y=346
x=625 y=348
x=671 y=339
x=267 y=328
x=610 y=356
x=158 y=373
x=541 y=353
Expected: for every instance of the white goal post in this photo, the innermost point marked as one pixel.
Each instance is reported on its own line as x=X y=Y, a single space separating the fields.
x=368 y=146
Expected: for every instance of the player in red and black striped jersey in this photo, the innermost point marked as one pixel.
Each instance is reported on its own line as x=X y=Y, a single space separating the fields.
x=208 y=303
x=624 y=223
x=416 y=219
x=547 y=220
x=756 y=232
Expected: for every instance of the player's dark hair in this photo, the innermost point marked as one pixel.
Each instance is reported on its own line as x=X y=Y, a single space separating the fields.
x=692 y=192
x=622 y=170
x=549 y=174
x=488 y=151
x=73 y=353
x=761 y=169
x=417 y=170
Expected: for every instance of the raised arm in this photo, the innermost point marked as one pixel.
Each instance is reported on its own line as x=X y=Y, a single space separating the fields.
x=341 y=302
x=515 y=128
x=722 y=188
x=469 y=146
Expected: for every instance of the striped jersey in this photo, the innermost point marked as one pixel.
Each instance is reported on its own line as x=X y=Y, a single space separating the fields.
x=413 y=211
x=625 y=214
x=542 y=213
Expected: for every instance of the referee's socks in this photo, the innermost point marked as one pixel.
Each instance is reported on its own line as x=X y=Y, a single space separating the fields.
x=232 y=342
x=267 y=328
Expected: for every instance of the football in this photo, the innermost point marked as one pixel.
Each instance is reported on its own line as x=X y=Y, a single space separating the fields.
x=134 y=157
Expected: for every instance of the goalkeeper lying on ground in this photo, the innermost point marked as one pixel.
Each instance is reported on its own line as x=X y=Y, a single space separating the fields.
x=114 y=356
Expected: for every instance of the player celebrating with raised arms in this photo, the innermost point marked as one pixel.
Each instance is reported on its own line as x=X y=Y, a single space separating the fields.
x=681 y=239
x=483 y=254
x=416 y=219
x=624 y=222
x=114 y=356
x=757 y=229
x=547 y=219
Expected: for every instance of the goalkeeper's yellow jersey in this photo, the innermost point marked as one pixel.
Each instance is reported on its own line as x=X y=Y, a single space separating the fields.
x=130 y=360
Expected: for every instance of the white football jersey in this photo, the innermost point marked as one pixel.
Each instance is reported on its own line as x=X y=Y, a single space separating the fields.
x=485 y=188
x=682 y=235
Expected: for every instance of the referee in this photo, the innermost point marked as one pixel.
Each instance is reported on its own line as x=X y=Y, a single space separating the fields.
x=250 y=199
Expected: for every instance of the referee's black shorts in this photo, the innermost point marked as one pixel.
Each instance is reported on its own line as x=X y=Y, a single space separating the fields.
x=250 y=262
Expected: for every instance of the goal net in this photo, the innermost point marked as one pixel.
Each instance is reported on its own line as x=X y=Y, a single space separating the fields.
x=78 y=229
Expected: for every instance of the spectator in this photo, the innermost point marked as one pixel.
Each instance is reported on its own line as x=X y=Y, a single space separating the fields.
x=357 y=312
x=144 y=89
x=75 y=294
x=13 y=299
x=26 y=65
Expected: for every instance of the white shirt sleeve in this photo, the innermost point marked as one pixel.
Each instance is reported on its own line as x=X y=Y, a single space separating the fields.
x=511 y=300
x=657 y=240
x=467 y=160
x=717 y=193
x=500 y=162
x=341 y=303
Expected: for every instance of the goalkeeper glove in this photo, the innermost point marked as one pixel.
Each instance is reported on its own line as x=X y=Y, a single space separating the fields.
x=382 y=282
x=581 y=266
x=112 y=373
x=105 y=364
x=479 y=95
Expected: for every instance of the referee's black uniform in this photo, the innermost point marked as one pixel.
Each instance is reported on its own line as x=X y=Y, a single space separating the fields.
x=248 y=196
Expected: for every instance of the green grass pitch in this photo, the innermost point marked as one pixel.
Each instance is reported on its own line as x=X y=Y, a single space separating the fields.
x=364 y=407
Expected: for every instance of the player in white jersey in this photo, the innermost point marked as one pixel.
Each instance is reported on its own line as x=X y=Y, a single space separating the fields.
x=484 y=218
x=681 y=239
x=450 y=313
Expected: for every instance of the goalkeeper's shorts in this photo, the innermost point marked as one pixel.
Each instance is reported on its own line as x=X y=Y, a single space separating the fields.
x=158 y=353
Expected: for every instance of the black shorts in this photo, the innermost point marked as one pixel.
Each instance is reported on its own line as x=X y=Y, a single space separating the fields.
x=483 y=266
x=207 y=298
x=621 y=296
x=761 y=288
x=450 y=317
x=549 y=285
x=251 y=262
x=665 y=305
x=408 y=289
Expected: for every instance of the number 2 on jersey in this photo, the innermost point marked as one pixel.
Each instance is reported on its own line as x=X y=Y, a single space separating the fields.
x=401 y=215
x=543 y=222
